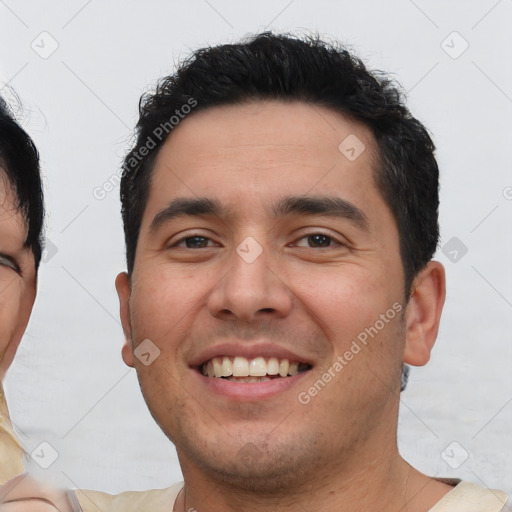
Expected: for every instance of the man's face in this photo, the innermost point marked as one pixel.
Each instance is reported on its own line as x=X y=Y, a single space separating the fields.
x=17 y=276
x=298 y=260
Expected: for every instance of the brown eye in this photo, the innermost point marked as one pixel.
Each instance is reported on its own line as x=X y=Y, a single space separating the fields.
x=319 y=240
x=196 y=242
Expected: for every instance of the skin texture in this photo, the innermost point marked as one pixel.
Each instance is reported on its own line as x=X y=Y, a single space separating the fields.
x=17 y=285
x=298 y=295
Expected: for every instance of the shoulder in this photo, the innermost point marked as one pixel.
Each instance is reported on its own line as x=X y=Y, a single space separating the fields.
x=470 y=497
x=11 y=450
x=154 y=500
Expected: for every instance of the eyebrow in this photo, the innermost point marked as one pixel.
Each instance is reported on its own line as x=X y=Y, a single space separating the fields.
x=331 y=206
x=185 y=207
x=293 y=205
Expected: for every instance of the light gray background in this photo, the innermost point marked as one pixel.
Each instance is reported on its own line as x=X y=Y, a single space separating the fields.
x=69 y=387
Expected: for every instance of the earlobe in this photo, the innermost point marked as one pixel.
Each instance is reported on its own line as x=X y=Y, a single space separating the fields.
x=124 y=291
x=423 y=313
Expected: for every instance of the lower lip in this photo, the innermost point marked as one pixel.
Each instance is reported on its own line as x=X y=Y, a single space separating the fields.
x=246 y=391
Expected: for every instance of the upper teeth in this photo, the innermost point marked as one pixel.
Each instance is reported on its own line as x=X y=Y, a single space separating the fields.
x=243 y=367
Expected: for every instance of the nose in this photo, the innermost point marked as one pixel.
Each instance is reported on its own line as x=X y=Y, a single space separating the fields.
x=251 y=289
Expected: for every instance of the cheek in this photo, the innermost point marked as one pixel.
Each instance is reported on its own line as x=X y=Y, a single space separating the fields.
x=163 y=300
x=345 y=300
x=5 y=333
x=9 y=313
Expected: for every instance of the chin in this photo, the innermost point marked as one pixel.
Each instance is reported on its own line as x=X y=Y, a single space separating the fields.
x=266 y=466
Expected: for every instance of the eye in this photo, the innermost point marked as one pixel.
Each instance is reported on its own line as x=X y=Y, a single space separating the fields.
x=194 y=242
x=317 y=240
x=8 y=262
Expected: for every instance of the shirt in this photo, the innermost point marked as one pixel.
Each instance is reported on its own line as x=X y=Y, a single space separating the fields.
x=11 y=451
x=464 y=497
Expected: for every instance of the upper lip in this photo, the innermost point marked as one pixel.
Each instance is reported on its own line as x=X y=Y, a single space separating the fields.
x=247 y=350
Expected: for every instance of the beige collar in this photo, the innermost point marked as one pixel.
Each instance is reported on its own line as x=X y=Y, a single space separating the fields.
x=11 y=451
x=464 y=497
x=470 y=497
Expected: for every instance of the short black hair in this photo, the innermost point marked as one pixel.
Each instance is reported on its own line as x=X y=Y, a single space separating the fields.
x=19 y=162
x=288 y=68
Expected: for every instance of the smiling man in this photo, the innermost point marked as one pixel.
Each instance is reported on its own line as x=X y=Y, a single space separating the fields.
x=279 y=243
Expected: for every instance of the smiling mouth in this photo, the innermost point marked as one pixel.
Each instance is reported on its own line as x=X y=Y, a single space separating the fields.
x=258 y=369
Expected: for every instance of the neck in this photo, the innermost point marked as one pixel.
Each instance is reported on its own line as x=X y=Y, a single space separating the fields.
x=384 y=482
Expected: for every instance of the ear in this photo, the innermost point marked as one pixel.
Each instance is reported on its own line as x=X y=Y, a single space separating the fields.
x=124 y=292
x=423 y=313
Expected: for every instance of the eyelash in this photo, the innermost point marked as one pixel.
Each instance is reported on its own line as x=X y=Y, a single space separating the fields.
x=7 y=262
x=316 y=233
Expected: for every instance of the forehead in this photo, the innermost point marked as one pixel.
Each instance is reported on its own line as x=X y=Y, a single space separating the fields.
x=262 y=148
